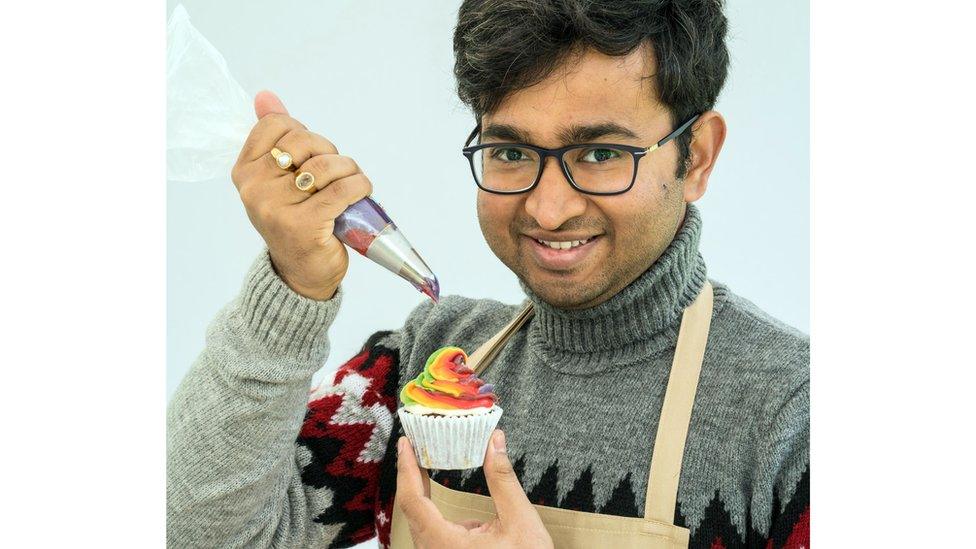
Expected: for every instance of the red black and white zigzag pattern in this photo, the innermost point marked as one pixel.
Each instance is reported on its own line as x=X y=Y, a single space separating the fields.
x=347 y=431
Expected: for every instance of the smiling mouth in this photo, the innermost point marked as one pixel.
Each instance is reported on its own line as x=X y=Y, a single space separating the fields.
x=561 y=255
x=563 y=244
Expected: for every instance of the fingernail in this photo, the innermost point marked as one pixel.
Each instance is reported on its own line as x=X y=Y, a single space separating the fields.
x=401 y=445
x=498 y=441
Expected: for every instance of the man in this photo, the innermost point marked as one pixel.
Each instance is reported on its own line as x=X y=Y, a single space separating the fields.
x=604 y=239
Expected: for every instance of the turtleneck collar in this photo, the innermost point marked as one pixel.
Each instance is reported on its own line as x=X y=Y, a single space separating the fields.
x=638 y=322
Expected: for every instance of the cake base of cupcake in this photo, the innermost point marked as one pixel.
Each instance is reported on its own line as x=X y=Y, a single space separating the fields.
x=445 y=442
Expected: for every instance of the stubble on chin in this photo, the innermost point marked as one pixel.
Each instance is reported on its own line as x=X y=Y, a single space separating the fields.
x=568 y=296
x=570 y=291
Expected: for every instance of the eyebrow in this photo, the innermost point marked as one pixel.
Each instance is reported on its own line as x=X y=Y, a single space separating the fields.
x=577 y=133
x=505 y=132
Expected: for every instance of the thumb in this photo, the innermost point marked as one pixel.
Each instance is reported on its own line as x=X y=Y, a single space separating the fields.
x=266 y=102
x=511 y=503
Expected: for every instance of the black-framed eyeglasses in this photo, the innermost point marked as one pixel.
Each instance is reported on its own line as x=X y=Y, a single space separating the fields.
x=591 y=168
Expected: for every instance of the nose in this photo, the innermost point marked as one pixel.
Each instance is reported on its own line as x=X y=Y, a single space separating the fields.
x=554 y=201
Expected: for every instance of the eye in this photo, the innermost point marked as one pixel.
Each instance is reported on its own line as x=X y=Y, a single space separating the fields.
x=508 y=154
x=599 y=155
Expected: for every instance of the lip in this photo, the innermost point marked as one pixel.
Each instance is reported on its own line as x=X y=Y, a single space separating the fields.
x=561 y=260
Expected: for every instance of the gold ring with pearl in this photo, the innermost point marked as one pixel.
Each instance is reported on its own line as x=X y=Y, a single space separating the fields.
x=283 y=159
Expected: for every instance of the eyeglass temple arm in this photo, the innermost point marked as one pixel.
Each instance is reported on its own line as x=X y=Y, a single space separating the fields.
x=474 y=132
x=674 y=134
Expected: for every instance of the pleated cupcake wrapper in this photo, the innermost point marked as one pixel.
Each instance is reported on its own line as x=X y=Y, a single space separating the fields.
x=449 y=442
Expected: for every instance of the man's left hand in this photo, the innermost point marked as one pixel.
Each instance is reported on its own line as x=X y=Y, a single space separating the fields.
x=518 y=524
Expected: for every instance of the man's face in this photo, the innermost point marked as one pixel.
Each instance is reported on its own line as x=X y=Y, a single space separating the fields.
x=626 y=233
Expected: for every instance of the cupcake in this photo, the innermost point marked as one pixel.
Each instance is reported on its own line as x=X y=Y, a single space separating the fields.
x=448 y=413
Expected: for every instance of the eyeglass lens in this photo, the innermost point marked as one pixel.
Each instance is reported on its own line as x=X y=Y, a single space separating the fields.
x=510 y=168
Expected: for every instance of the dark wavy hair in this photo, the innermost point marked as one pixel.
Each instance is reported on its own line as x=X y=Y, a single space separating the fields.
x=501 y=46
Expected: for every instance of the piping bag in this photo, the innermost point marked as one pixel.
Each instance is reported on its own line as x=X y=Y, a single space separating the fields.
x=208 y=118
x=366 y=228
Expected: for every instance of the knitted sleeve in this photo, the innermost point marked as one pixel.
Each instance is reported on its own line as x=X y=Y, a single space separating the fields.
x=787 y=462
x=345 y=454
x=235 y=475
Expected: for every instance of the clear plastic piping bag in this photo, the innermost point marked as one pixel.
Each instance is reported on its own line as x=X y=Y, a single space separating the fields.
x=366 y=228
x=208 y=118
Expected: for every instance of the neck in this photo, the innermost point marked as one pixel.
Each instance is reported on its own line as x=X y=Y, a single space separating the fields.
x=639 y=321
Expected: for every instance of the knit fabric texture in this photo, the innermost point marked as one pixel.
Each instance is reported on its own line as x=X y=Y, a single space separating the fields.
x=257 y=459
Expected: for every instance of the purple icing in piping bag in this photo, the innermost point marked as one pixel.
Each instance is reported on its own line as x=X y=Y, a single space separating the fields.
x=366 y=228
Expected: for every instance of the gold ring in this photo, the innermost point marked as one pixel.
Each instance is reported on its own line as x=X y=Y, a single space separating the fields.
x=282 y=158
x=305 y=182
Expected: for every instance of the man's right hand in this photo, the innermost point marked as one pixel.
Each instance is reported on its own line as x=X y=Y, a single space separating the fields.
x=517 y=525
x=296 y=225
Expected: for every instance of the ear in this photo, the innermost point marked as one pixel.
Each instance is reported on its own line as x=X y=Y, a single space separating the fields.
x=707 y=137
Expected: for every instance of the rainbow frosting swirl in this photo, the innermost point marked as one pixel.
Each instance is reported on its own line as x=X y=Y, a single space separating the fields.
x=446 y=383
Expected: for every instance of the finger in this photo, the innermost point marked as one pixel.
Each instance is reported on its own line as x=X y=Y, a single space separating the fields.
x=302 y=145
x=511 y=503
x=408 y=470
x=265 y=133
x=258 y=193
x=338 y=195
x=326 y=168
x=426 y=478
x=426 y=521
x=283 y=190
x=266 y=102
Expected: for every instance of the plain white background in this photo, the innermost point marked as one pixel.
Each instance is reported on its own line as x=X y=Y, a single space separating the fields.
x=84 y=278
x=376 y=79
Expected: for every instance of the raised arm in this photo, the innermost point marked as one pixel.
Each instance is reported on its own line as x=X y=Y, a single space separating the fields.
x=235 y=470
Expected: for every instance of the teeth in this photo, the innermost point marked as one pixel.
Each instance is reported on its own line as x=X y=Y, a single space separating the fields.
x=563 y=245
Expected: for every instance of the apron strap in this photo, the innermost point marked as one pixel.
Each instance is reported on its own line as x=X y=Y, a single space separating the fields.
x=679 y=398
x=484 y=355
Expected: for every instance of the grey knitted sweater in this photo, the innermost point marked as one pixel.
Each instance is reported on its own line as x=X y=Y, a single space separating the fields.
x=255 y=459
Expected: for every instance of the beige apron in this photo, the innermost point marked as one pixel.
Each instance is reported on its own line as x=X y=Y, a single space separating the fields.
x=576 y=529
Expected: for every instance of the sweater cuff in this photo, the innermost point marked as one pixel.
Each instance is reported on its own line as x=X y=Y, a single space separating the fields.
x=283 y=321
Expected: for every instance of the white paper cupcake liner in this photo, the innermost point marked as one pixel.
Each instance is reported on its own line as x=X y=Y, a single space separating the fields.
x=450 y=442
